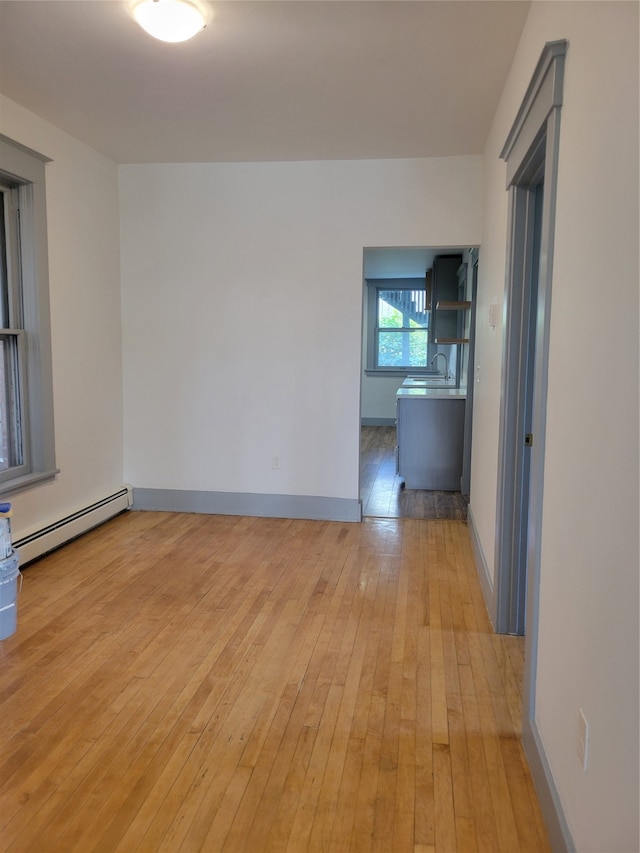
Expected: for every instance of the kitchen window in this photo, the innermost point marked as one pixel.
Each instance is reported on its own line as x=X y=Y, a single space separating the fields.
x=27 y=451
x=397 y=326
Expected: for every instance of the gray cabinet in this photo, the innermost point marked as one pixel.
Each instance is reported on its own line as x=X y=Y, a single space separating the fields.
x=430 y=438
x=444 y=284
x=446 y=287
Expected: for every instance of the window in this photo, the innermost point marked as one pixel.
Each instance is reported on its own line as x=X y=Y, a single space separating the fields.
x=26 y=400
x=398 y=326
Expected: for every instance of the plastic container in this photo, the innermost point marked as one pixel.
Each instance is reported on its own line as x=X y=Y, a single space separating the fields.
x=9 y=574
x=6 y=548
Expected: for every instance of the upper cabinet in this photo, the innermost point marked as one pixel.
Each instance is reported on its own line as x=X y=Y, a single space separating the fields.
x=446 y=288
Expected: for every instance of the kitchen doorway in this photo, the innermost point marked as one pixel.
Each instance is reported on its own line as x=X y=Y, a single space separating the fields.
x=382 y=491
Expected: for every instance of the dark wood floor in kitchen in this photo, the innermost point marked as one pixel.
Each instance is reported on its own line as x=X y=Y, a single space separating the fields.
x=382 y=492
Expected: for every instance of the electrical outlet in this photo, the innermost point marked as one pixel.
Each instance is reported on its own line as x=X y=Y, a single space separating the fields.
x=275 y=461
x=583 y=740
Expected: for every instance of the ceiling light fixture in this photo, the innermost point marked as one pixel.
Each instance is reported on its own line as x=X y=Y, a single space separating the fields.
x=170 y=20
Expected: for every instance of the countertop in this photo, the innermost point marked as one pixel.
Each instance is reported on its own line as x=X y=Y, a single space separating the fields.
x=431 y=393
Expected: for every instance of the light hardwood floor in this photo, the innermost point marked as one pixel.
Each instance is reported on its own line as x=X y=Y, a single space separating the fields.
x=210 y=683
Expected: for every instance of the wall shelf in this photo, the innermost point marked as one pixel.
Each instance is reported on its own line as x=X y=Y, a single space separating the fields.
x=444 y=305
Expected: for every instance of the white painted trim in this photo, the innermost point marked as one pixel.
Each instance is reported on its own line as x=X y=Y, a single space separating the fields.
x=238 y=503
x=63 y=530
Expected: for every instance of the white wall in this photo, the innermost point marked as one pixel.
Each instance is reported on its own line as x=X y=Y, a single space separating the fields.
x=84 y=281
x=379 y=397
x=588 y=627
x=242 y=297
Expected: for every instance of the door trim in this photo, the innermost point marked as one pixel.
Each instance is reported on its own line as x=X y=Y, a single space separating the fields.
x=513 y=497
x=465 y=486
x=531 y=153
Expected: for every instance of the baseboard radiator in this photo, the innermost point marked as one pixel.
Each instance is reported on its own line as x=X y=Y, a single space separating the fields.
x=59 y=532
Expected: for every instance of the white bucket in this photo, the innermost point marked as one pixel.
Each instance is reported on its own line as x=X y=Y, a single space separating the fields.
x=9 y=574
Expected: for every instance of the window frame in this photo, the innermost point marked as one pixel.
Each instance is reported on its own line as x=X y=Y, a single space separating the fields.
x=374 y=286
x=22 y=171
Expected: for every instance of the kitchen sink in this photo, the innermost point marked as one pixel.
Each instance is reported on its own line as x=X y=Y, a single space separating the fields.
x=427 y=382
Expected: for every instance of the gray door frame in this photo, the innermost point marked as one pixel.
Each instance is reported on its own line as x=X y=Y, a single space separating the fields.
x=519 y=395
x=531 y=155
x=465 y=486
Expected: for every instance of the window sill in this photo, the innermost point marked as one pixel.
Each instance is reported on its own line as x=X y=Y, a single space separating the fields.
x=414 y=371
x=28 y=481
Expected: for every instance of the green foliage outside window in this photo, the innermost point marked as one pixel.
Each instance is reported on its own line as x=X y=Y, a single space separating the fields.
x=401 y=340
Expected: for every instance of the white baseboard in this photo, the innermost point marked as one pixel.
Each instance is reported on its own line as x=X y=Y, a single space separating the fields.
x=53 y=535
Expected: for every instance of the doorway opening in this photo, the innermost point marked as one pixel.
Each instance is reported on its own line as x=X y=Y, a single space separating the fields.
x=402 y=348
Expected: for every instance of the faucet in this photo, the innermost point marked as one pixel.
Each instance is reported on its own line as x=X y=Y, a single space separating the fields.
x=446 y=364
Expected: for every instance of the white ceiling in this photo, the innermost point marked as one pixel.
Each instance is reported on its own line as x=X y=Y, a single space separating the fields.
x=267 y=79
